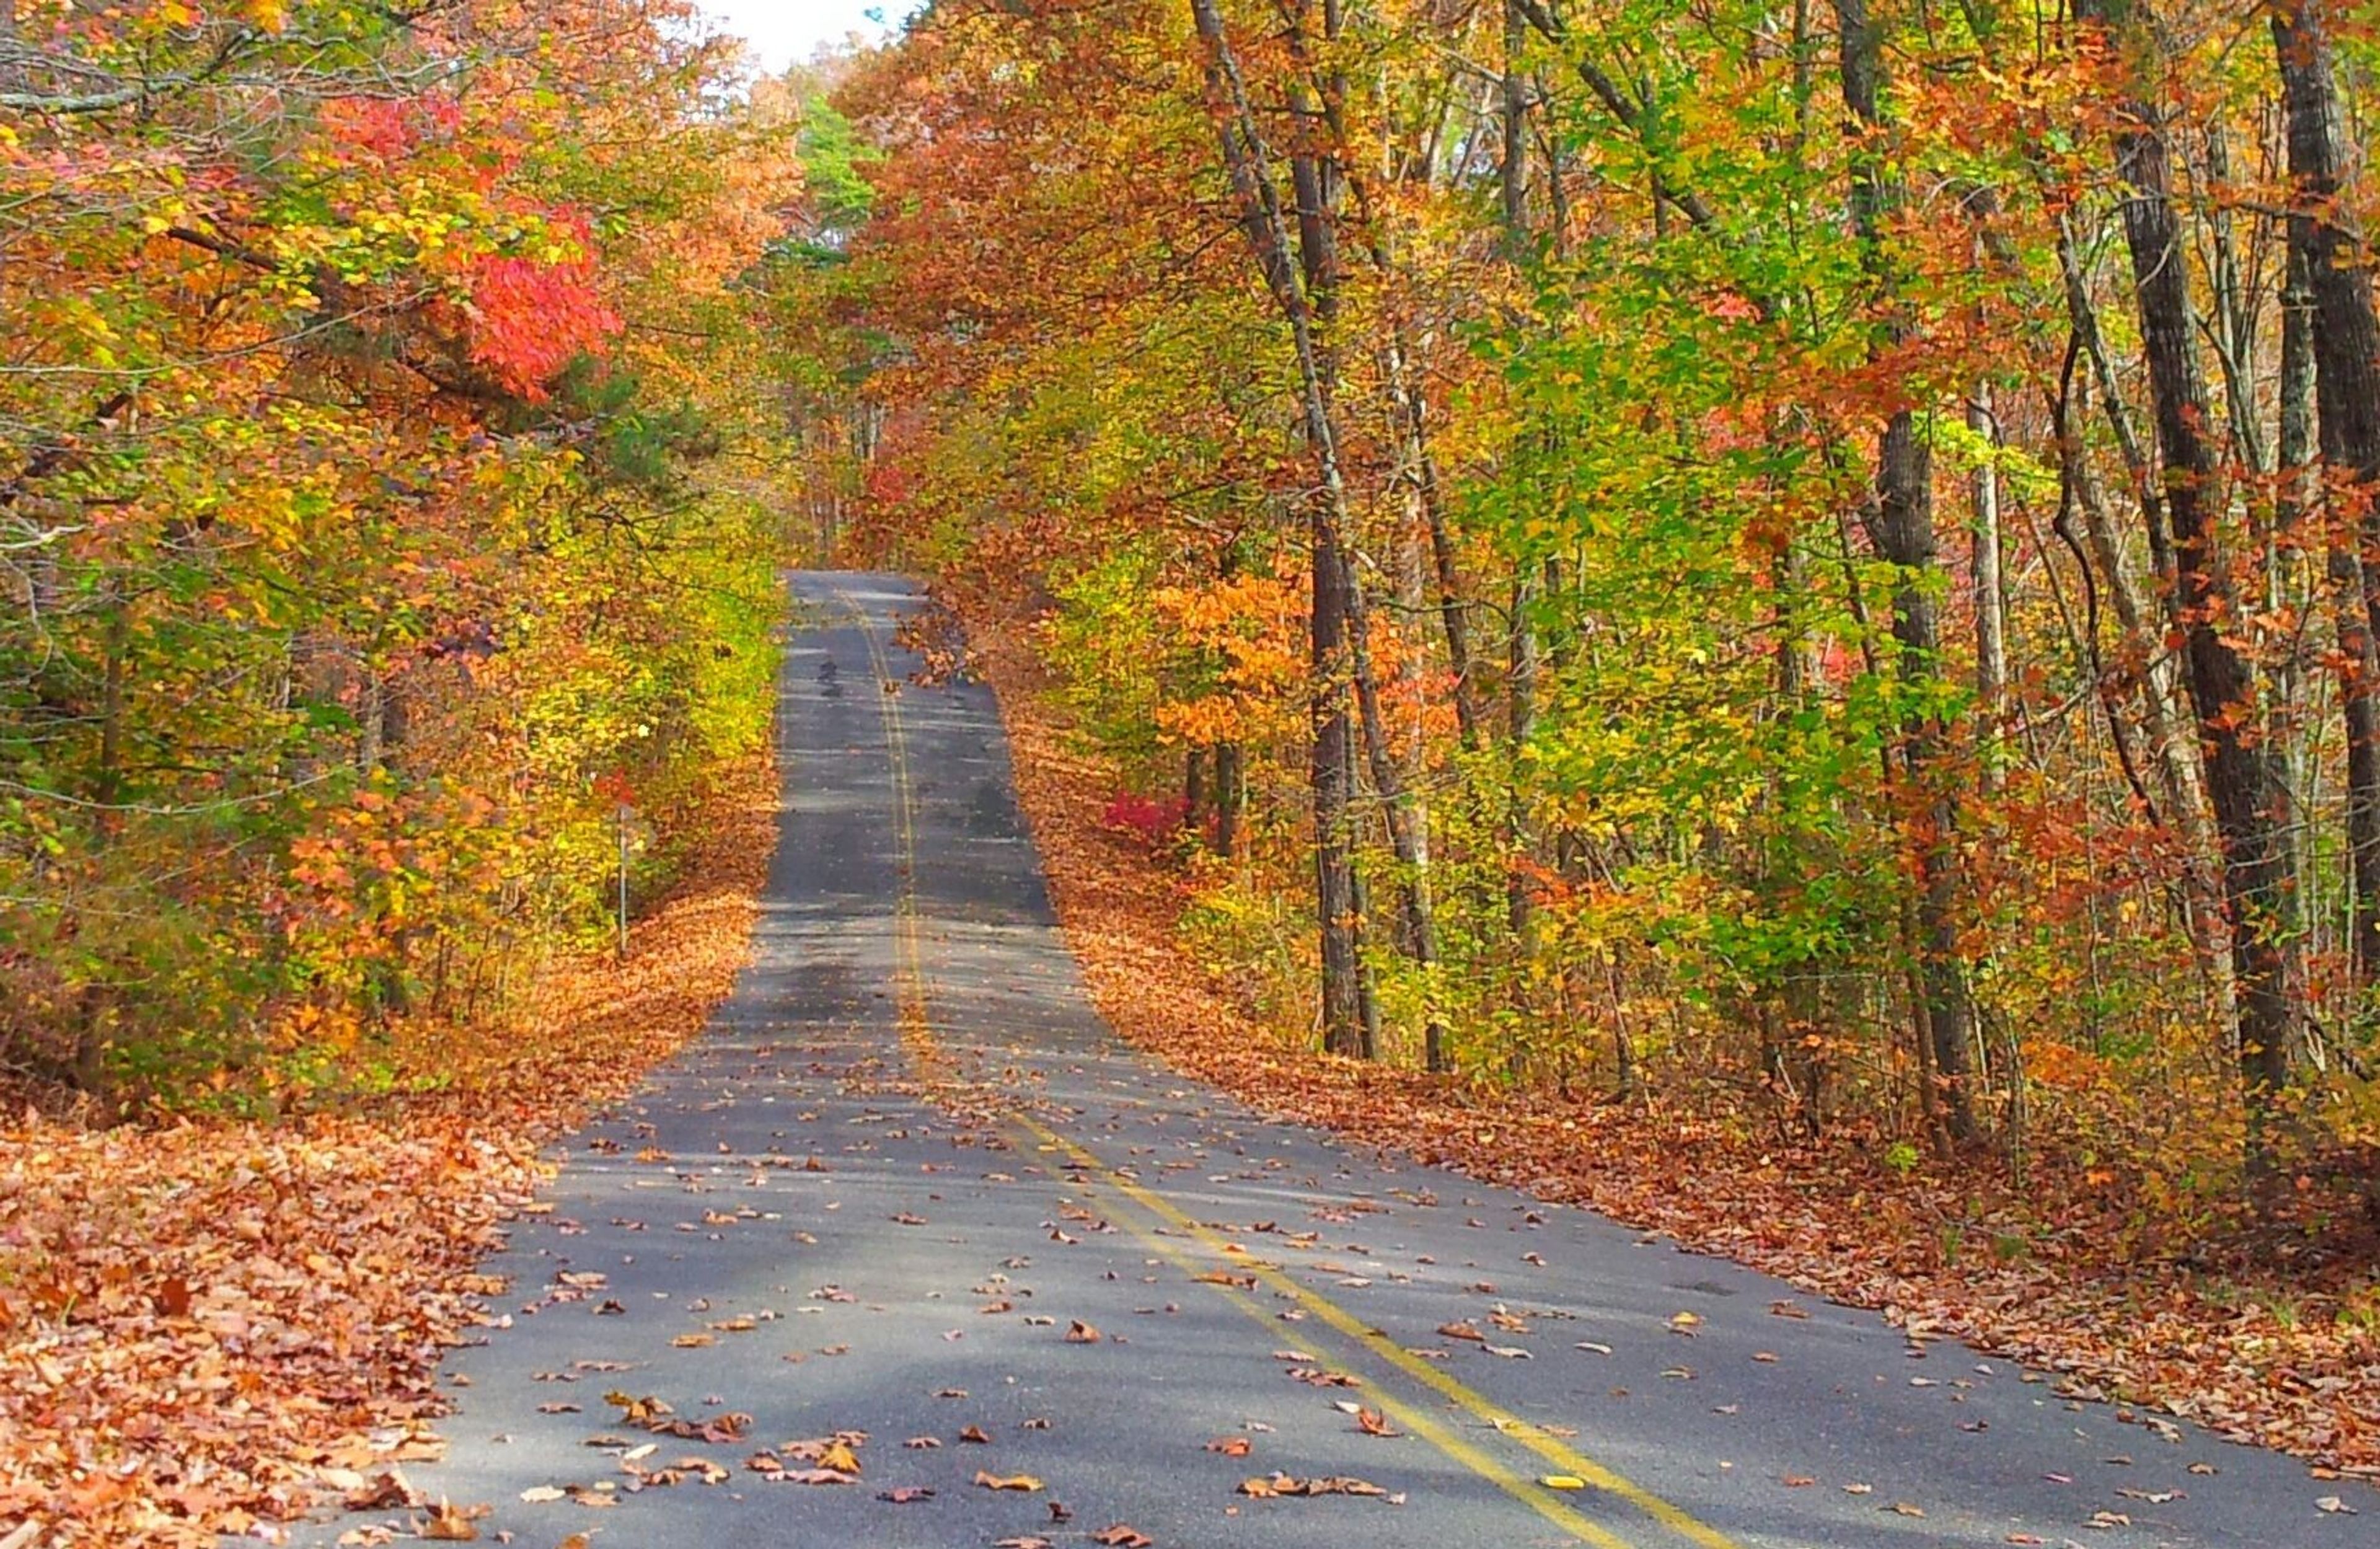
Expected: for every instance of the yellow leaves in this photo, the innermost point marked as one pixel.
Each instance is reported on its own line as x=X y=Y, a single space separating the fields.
x=1025 y=1482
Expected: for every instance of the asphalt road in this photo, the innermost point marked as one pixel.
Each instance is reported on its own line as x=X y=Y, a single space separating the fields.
x=908 y=1159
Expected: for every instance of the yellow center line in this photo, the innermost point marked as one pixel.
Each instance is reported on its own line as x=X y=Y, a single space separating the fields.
x=916 y=1033
x=1536 y=1497
x=1565 y=1459
x=916 y=1030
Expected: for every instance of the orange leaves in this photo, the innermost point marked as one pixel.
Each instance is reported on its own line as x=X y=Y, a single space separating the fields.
x=1253 y=624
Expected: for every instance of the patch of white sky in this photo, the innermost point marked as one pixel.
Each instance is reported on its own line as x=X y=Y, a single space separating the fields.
x=784 y=33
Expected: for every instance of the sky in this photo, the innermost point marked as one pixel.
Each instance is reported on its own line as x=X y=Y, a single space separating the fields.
x=782 y=32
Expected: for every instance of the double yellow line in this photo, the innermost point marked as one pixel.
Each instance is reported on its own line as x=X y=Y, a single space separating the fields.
x=917 y=1035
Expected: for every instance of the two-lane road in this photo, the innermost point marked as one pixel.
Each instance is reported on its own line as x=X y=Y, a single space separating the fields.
x=908 y=1175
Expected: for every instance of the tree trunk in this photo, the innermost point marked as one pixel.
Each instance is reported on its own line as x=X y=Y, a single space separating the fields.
x=1991 y=618
x=2340 y=339
x=1229 y=787
x=1406 y=823
x=1901 y=527
x=1514 y=179
x=1345 y=1016
x=1520 y=673
x=1421 y=471
x=1521 y=717
x=2243 y=777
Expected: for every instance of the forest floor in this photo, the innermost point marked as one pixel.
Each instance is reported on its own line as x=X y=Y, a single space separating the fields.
x=2255 y=1345
x=204 y=1324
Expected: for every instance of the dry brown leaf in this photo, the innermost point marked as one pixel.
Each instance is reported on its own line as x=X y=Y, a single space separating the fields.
x=451 y=1524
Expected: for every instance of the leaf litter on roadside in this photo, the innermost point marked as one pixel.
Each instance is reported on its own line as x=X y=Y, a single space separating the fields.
x=317 y=1267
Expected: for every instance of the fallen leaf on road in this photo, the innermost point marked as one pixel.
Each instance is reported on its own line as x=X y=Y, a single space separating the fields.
x=906 y=1494
x=382 y=1491
x=539 y=1495
x=453 y=1524
x=1282 y=1484
x=1010 y=1481
x=636 y=1411
x=1230 y=1447
x=975 y=1434
x=1122 y=1537
x=1081 y=1332
x=1373 y=1424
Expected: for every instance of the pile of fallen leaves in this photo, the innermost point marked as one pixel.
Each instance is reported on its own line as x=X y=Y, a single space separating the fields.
x=204 y=1327
x=2255 y=1349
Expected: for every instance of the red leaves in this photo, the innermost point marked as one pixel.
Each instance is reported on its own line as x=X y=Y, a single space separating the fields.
x=386 y=129
x=1152 y=821
x=533 y=316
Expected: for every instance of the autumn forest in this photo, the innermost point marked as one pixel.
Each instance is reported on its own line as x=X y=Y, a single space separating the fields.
x=1796 y=558
x=1766 y=616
